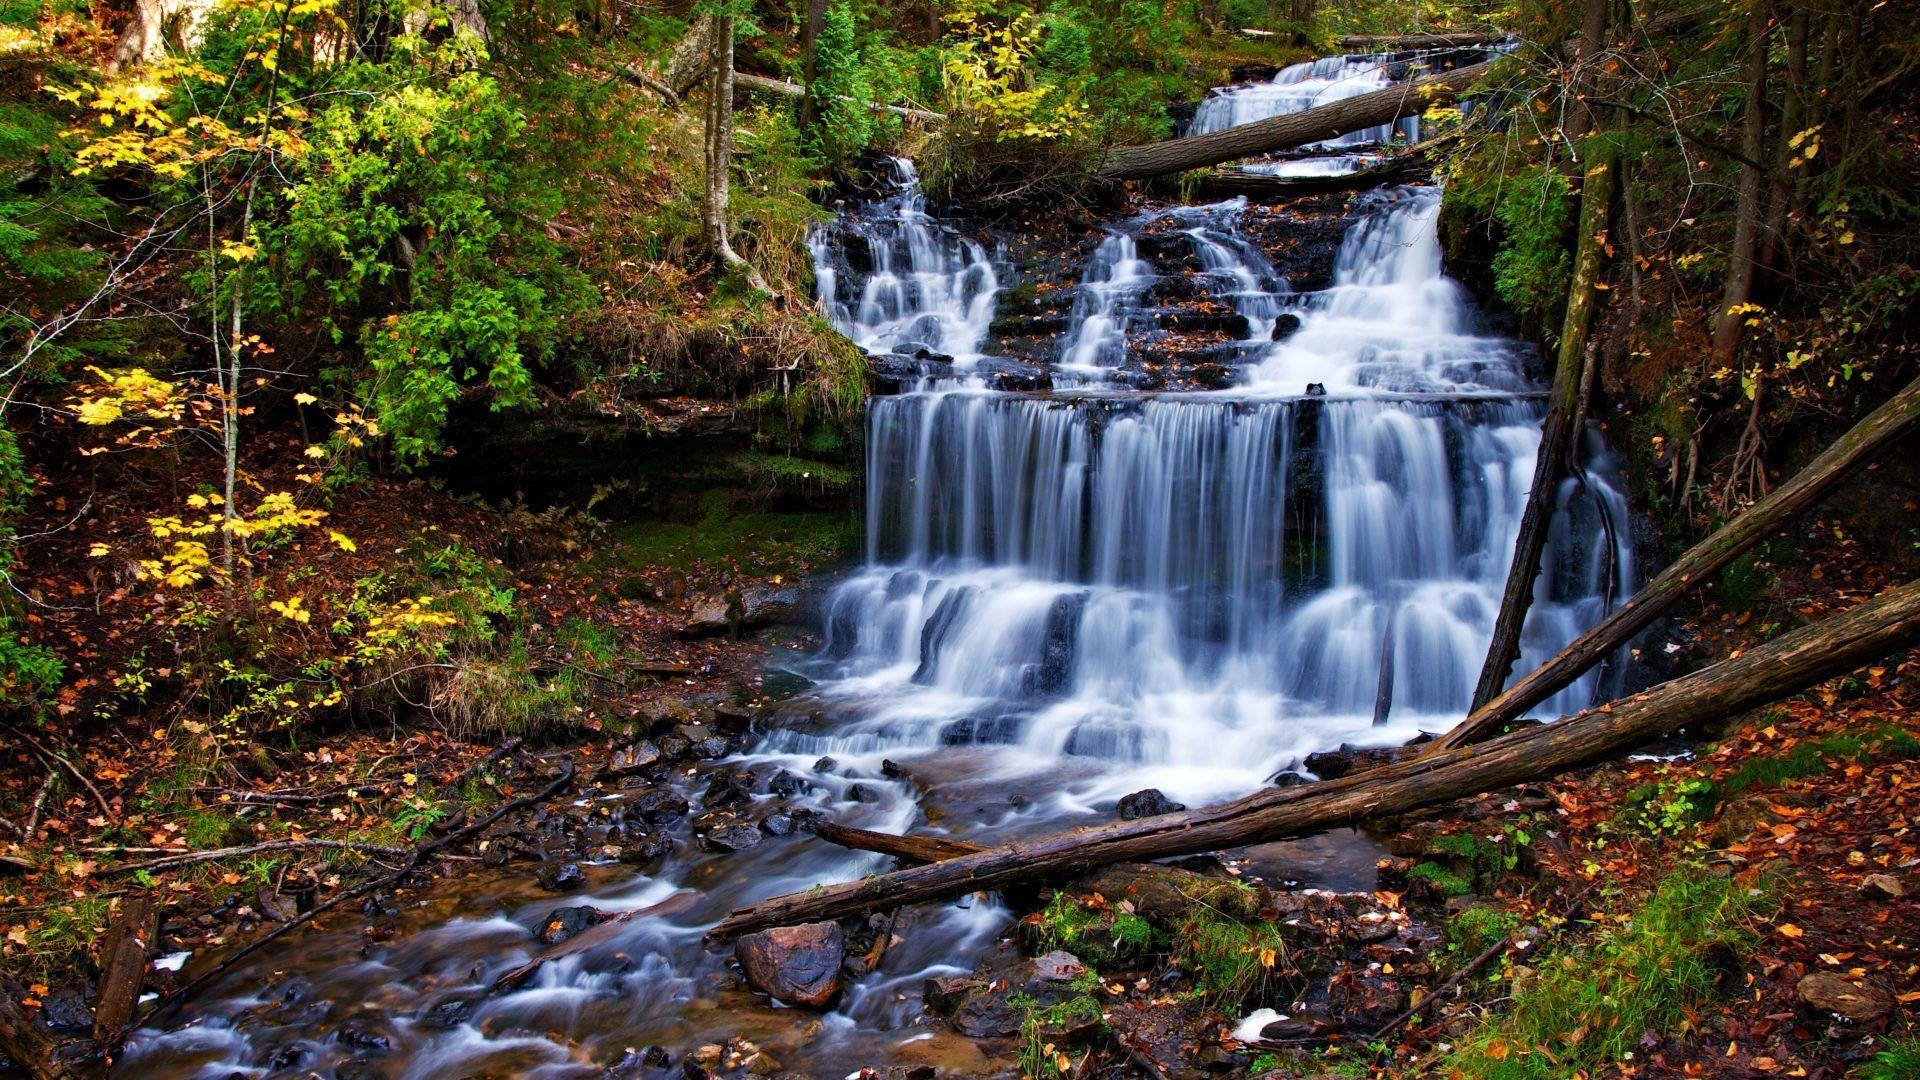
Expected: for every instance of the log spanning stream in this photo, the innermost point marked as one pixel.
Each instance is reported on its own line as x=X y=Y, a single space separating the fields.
x=1071 y=591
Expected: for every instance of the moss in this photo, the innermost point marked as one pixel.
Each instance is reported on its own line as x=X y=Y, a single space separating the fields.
x=60 y=938
x=1442 y=880
x=1648 y=973
x=1899 y=1061
x=1473 y=931
x=1233 y=961
x=771 y=542
x=1097 y=936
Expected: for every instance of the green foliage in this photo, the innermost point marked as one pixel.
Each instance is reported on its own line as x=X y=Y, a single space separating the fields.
x=413 y=230
x=1097 y=935
x=1234 y=961
x=1038 y=1056
x=1534 y=208
x=1647 y=974
x=1815 y=757
x=1669 y=807
x=1899 y=1061
x=1442 y=880
x=1476 y=929
x=842 y=80
x=1745 y=579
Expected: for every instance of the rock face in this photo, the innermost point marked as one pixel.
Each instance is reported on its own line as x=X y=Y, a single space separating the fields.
x=1828 y=993
x=1147 y=803
x=799 y=965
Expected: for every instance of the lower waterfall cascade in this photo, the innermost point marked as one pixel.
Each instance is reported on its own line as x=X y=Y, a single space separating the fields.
x=1069 y=592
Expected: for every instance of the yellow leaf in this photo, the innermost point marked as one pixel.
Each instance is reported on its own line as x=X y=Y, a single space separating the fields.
x=345 y=542
x=1788 y=930
x=304 y=398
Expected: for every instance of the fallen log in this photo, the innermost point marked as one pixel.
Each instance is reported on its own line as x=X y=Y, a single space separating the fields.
x=123 y=965
x=1882 y=429
x=30 y=1046
x=1409 y=167
x=1449 y=39
x=914 y=849
x=1783 y=666
x=1289 y=130
x=796 y=90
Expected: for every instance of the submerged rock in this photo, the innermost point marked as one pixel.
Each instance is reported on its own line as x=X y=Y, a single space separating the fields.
x=562 y=876
x=563 y=923
x=738 y=836
x=799 y=965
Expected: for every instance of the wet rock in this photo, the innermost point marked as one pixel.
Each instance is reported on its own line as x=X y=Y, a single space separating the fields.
x=712 y=748
x=291 y=1056
x=992 y=1012
x=1211 y=376
x=563 y=923
x=736 y=837
x=1284 y=324
x=761 y=1064
x=731 y=719
x=358 y=1069
x=861 y=793
x=656 y=1057
x=1304 y=1025
x=364 y=1038
x=944 y=993
x=65 y=1013
x=1147 y=803
x=778 y=823
x=728 y=789
x=762 y=606
x=1828 y=993
x=1333 y=764
x=629 y=760
x=647 y=849
x=1000 y=373
x=658 y=806
x=562 y=876
x=1882 y=887
x=786 y=784
x=825 y=765
x=449 y=1014
x=673 y=747
x=799 y=965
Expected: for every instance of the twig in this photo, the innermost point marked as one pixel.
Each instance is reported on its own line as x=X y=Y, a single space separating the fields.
x=493 y=757
x=419 y=854
x=1486 y=956
x=39 y=803
x=41 y=749
x=189 y=858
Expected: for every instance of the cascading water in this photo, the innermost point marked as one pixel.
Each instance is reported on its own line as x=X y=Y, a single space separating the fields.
x=1064 y=598
x=1303 y=86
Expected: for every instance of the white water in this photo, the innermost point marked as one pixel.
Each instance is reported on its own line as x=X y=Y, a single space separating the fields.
x=1193 y=592
x=1303 y=86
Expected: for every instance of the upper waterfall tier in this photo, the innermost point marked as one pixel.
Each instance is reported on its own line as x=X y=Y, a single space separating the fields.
x=1303 y=86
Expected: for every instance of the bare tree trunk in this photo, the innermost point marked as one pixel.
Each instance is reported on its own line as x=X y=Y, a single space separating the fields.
x=1732 y=321
x=1793 y=112
x=692 y=58
x=1783 y=666
x=1289 y=130
x=1873 y=436
x=720 y=154
x=1560 y=430
x=809 y=53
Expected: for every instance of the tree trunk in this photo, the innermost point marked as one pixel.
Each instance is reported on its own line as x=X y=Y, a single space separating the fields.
x=29 y=1044
x=915 y=849
x=1793 y=112
x=720 y=154
x=1768 y=672
x=1588 y=48
x=123 y=966
x=809 y=54
x=1883 y=429
x=1732 y=321
x=1289 y=130
x=1557 y=432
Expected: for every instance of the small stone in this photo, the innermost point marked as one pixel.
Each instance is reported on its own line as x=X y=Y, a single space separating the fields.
x=632 y=759
x=712 y=748
x=1829 y=993
x=799 y=965
x=656 y=1057
x=825 y=765
x=562 y=876
x=708 y=1055
x=1882 y=887
x=736 y=837
x=861 y=793
x=778 y=823
x=762 y=1064
x=657 y=806
x=363 y=1038
x=563 y=923
x=787 y=784
x=65 y=1013
x=943 y=993
x=1148 y=803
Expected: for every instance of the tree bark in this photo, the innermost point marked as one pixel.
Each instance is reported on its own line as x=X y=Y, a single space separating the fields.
x=29 y=1044
x=1732 y=321
x=816 y=19
x=1883 y=429
x=1289 y=130
x=123 y=966
x=1783 y=666
x=915 y=849
x=720 y=154
x=1557 y=433
x=1793 y=112
x=692 y=57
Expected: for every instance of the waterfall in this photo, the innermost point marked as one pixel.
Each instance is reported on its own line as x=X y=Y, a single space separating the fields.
x=1192 y=591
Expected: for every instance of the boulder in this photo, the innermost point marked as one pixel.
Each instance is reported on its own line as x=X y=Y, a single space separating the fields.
x=1829 y=993
x=711 y=616
x=799 y=965
x=1150 y=802
x=944 y=993
x=657 y=806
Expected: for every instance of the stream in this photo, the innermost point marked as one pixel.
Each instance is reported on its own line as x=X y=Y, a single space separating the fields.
x=1076 y=586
